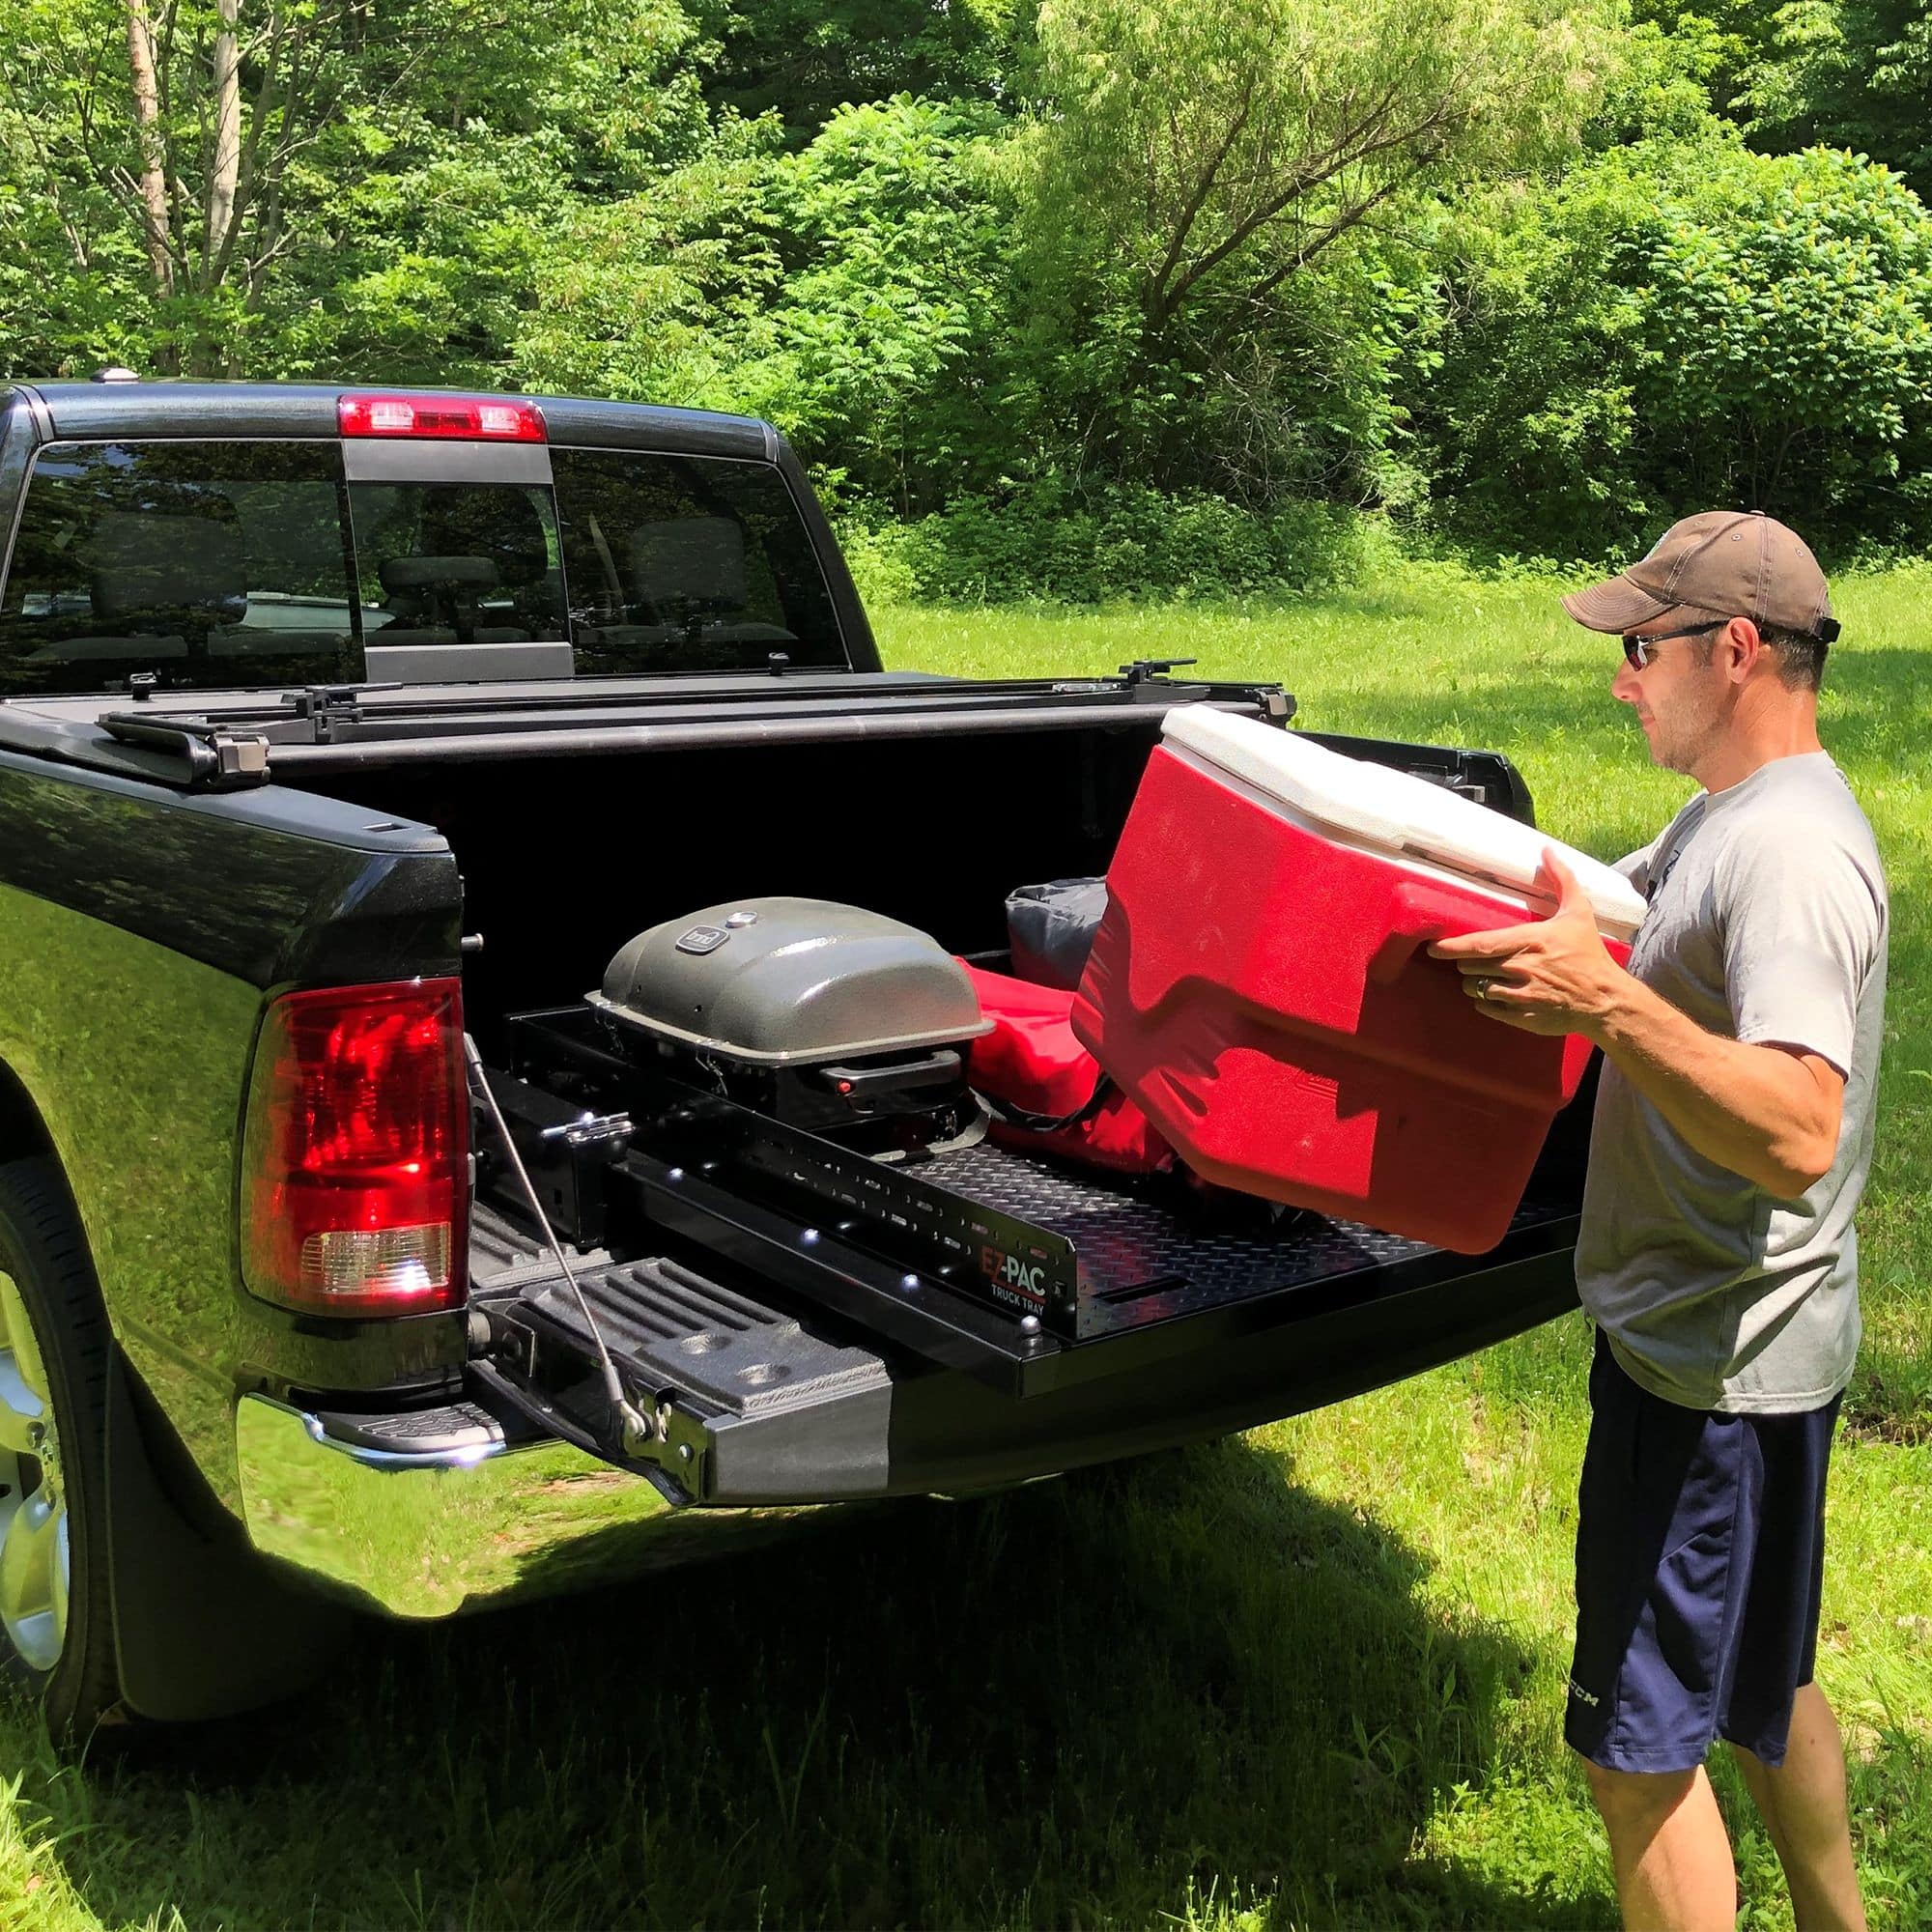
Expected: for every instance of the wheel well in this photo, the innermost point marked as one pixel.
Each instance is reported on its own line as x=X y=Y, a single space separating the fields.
x=23 y=1134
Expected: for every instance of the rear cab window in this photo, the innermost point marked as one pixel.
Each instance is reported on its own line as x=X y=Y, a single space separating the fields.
x=688 y=563
x=208 y=564
x=228 y=564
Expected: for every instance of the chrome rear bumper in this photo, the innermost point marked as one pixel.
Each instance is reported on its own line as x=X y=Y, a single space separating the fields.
x=468 y=1521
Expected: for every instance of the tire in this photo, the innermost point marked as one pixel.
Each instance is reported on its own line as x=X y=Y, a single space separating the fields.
x=56 y=1354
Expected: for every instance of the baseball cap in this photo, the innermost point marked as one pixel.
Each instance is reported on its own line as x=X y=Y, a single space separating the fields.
x=1733 y=563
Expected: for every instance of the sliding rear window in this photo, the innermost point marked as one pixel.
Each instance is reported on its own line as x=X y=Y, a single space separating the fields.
x=680 y=564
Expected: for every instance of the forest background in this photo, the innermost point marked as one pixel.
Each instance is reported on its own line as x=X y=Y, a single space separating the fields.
x=1072 y=299
x=1058 y=298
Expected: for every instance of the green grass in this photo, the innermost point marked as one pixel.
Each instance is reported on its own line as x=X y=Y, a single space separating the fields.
x=1310 y=1677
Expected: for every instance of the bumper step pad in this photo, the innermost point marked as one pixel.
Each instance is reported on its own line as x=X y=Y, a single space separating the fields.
x=671 y=1328
x=678 y=1339
x=746 y=1403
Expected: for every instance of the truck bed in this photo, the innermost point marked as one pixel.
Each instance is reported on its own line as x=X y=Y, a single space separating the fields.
x=578 y=816
x=770 y=1282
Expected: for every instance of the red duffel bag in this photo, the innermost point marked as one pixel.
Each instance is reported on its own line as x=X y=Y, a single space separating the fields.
x=1046 y=1092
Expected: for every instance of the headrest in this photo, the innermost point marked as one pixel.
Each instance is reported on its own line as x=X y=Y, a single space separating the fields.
x=438 y=573
x=141 y=561
x=689 y=560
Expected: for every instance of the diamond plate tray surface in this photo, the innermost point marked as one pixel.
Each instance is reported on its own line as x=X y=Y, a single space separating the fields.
x=1145 y=1256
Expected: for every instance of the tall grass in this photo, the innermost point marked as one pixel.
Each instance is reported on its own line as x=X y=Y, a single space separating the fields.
x=1309 y=1677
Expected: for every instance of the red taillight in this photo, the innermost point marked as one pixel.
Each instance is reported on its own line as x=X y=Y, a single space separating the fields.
x=354 y=1180
x=484 y=418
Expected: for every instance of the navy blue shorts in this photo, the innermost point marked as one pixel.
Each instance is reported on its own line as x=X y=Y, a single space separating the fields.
x=1700 y=1548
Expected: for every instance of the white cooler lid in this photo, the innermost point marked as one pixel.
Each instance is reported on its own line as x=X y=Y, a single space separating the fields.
x=1394 y=812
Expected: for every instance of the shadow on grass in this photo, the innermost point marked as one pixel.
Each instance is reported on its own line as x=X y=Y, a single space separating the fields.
x=1070 y=1704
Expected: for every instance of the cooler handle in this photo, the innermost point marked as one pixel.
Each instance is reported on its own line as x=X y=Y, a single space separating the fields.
x=1422 y=912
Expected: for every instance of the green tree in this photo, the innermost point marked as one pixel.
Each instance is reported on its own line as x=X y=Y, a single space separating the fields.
x=886 y=354
x=644 y=296
x=805 y=59
x=1190 y=165
x=1681 y=325
x=228 y=185
x=1855 y=74
x=1721 y=44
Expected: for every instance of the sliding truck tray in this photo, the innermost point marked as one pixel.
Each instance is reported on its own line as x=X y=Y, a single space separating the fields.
x=1031 y=1279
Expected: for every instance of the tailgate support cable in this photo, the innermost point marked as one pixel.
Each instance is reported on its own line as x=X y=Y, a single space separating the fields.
x=637 y=1430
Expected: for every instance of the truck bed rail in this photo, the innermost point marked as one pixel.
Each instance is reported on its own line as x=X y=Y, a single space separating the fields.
x=214 y=742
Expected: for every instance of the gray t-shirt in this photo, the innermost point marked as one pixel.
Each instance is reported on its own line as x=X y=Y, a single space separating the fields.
x=1767 y=921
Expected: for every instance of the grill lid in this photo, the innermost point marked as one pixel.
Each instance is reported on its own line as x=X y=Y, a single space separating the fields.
x=776 y=981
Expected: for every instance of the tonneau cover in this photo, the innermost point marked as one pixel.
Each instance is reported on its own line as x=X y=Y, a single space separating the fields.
x=213 y=741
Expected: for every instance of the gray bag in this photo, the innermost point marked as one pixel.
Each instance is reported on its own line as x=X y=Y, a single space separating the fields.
x=1050 y=929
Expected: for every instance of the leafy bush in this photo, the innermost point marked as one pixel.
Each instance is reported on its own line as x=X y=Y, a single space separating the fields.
x=1790 y=313
x=880 y=347
x=876 y=553
x=1128 y=542
x=1675 y=327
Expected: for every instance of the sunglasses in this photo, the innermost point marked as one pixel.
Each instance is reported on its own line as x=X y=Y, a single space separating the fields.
x=1638 y=651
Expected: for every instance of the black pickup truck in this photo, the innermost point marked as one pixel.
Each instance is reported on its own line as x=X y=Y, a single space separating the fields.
x=345 y=738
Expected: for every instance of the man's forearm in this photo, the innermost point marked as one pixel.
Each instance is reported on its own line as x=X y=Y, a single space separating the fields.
x=1769 y=1114
x=1757 y=1110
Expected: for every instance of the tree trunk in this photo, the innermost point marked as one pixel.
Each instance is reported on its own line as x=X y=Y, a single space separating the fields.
x=154 y=158
x=227 y=168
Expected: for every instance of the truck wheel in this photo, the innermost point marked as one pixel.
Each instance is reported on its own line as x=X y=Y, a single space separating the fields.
x=56 y=1625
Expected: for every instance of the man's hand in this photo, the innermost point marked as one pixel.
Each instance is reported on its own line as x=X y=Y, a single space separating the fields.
x=1768 y=1112
x=1549 y=976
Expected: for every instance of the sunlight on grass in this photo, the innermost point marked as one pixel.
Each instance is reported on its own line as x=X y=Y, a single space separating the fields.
x=1309 y=1677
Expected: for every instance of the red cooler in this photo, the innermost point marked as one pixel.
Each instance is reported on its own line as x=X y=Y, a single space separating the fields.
x=1260 y=984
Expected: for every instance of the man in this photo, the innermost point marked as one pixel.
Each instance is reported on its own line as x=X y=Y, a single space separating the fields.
x=1731 y=1141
